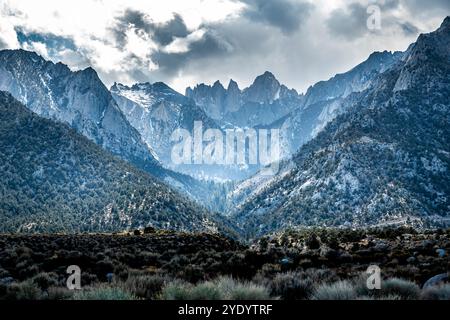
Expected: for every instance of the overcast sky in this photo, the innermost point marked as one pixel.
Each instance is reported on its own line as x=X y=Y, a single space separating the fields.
x=185 y=42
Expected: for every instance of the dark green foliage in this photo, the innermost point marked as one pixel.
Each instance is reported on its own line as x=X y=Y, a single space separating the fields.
x=384 y=160
x=55 y=180
x=173 y=265
x=145 y=286
x=292 y=286
x=401 y=288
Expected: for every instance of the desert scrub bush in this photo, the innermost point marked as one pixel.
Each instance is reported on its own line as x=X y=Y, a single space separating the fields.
x=312 y=242
x=25 y=290
x=88 y=279
x=319 y=276
x=441 y=292
x=233 y=290
x=291 y=286
x=399 y=287
x=341 y=290
x=176 y=290
x=4 y=273
x=269 y=270
x=45 y=280
x=361 y=289
x=103 y=292
x=206 y=291
x=59 y=293
x=145 y=286
x=223 y=288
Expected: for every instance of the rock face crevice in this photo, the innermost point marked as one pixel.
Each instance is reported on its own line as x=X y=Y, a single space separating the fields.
x=79 y=99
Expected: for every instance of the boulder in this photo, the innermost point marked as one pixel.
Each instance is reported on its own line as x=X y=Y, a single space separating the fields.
x=436 y=280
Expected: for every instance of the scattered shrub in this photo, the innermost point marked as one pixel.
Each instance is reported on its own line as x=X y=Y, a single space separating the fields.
x=148 y=230
x=145 y=286
x=206 y=291
x=176 y=290
x=291 y=286
x=45 y=280
x=103 y=293
x=234 y=290
x=341 y=290
x=223 y=288
x=312 y=242
x=400 y=287
x=25 y=290
x=59 y=293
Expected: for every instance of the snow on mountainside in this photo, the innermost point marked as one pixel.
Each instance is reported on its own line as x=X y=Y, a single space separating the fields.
x=264 y=102
x=327 y=99
x=268 y=104
x=81 y=100
x=156 y=111
x=356 y=80
x=77 y=98
x=387 y=158
x=323 y=103
x=56 y=180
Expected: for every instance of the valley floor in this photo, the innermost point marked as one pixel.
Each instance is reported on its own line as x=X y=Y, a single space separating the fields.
x=302 y=264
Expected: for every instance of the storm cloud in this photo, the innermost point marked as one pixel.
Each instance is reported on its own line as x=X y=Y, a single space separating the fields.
x=287 y=15
x=350 y=22
x=187 y=42
x=162 y=33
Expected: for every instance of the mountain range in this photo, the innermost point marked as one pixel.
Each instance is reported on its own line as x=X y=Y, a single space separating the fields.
x=265 y=101
x=366 y=147
x=383 y=161
x=81 y=100
x=56 y=180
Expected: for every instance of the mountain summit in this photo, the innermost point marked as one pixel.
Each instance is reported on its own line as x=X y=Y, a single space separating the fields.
x=384 y=160
x=77 y=98
x=264 y=101
x=56 y=180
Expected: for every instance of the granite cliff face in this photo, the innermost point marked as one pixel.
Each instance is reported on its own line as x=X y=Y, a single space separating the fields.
x=56 y=180
x=262 y=103
x=156 y=111
x=82 y=101
x=77 y=98
x=383 y=161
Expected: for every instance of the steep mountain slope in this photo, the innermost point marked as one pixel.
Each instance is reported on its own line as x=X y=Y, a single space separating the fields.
x=386 y=160
x=327 y=99
x=77 y=98
x=268 y=104
x=81 y=100
x=357 y=79
x=156 y=111
x=54 y=179
x=264 y=102
x=323 y=102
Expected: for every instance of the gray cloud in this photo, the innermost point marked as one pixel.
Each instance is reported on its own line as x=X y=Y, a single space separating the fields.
x=165 y=33
x=286 y=37
x=162 y=33
x=210 y=45
x=349 y=23
x=428 y=6
x=409 y=29
x=3 y=44
x=287 y=15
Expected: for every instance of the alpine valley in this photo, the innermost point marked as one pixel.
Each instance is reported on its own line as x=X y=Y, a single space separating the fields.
x=368 y=147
